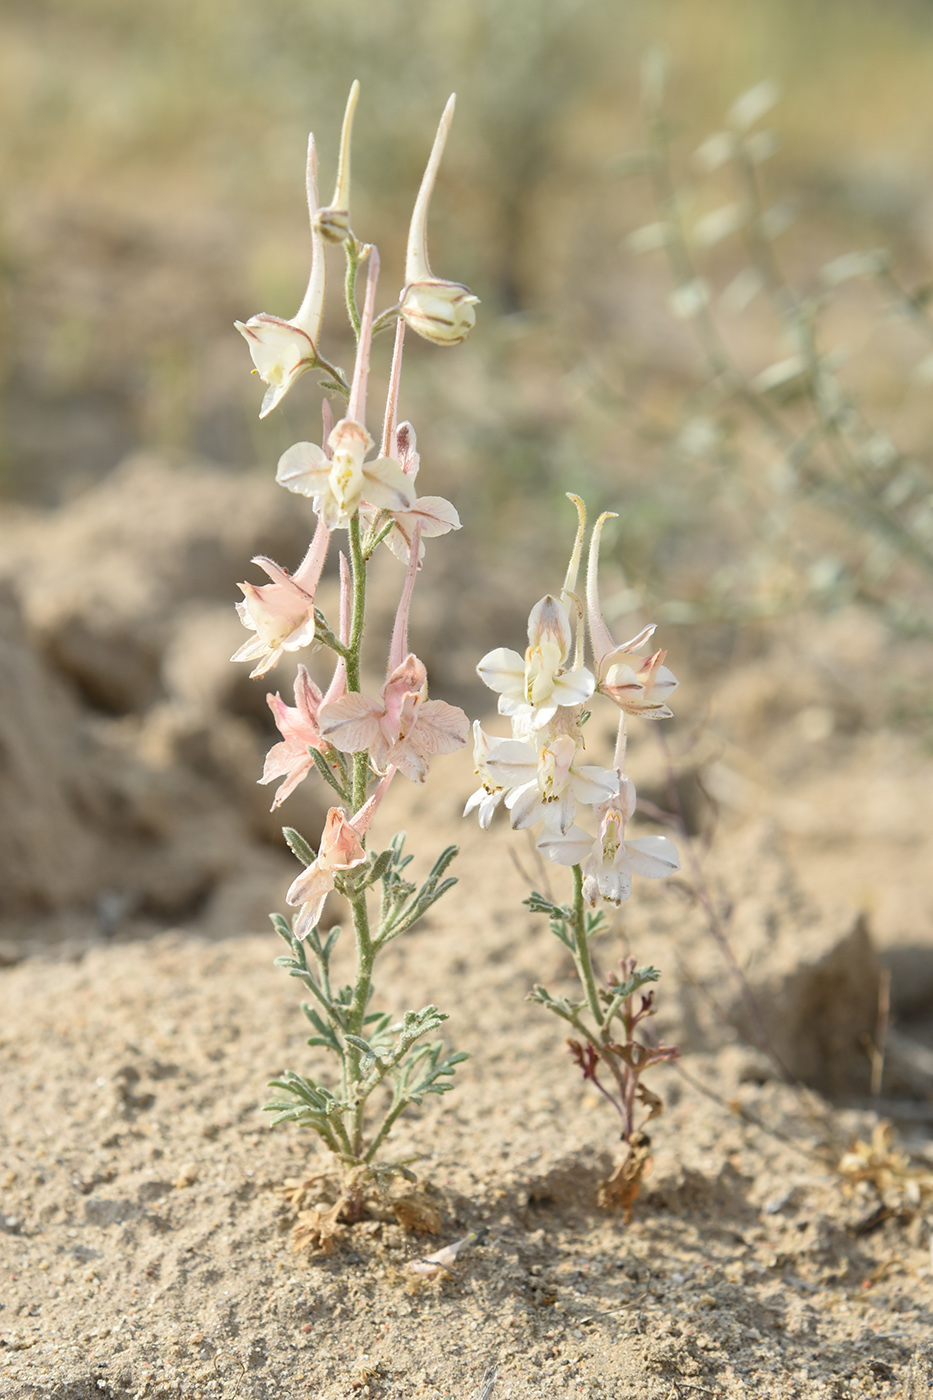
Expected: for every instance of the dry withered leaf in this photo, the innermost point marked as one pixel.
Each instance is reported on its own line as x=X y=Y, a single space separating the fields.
x=417 y=1213
x=621 y=1190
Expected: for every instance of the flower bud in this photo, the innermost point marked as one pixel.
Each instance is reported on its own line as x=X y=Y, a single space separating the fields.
x=333 y=221
x=441 y=312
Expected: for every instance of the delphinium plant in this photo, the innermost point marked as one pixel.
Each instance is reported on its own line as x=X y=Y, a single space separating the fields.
x=355 y=744
x=581 y=812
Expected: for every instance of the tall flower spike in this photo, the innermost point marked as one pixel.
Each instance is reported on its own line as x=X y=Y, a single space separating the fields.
x=439 y=311
x=283 y=350
x=333 y=221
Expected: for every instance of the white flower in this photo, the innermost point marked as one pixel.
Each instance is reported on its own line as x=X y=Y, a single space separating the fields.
x=283 y=350
x=490 y=793
x=608 y=860
x=545 y=785
x=539 y=681
x=340 y=483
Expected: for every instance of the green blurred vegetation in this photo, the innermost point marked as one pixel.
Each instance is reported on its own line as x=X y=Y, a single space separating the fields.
x=152 y=164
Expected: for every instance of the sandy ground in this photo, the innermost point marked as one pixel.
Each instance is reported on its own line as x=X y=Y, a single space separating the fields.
x=146 y=1252
x=145 y=1239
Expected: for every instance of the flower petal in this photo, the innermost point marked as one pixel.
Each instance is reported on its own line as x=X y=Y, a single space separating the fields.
x=351 y=724
x=386 y=485
x=574 y=687
x=503 y=670
x=652 y=856
x=304 y=469
x=568 y=849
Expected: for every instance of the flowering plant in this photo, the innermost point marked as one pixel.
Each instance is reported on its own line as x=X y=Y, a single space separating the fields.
x=354 y=744
x=539 y=776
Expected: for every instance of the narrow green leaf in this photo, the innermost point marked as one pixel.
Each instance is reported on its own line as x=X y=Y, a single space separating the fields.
x=298 y=846
x=282 y=927
x=328 y=774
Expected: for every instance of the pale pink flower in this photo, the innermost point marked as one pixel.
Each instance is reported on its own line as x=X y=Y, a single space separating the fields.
x=281 y=613
x=291 y=759
x=439 y=311
x=341 y=849
x=340 y=483
x=638 y=685
x=608 y=860
x=403 y=730
x=542 y=680
x=283 y=350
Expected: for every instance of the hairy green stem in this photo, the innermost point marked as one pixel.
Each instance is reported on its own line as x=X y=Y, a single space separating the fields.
x=351 y=248
x=362 y=988
x=581 y=948
x=385 y=1128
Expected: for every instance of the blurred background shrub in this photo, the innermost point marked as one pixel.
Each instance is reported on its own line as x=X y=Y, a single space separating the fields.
x=152 y=164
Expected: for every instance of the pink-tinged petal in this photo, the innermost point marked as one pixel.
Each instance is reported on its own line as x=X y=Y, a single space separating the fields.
x=406 y=450
x=283 y=764
x=574 y=687
x=312 y=884
x=432 y=514
x=548 y=624
x=652 y=856
x=568 y=849
x=407 y=683
x=405 y=755
x=341 y=847
x=664 y=683
x=625 y=651
x=252 y=649
x=350 y=438
x=307 y=701
x=592 y=785
x=436 y=515
x=386 y=485
x=303 y=469
x=351 y=724
x=503 y=670
x=309 y=916
x=441 y=728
